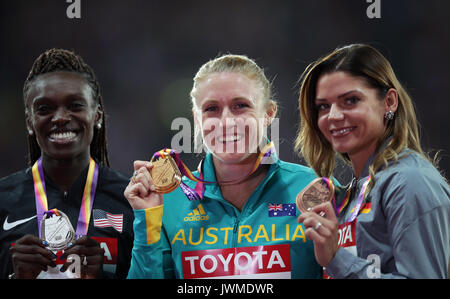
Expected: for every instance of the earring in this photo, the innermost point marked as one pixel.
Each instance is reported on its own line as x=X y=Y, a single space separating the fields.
x=99 y=126
x=30 y=132
x=389 y=115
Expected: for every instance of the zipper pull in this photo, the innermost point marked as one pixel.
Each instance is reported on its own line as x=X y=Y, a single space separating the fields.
x=353 y=184
x=236 y=225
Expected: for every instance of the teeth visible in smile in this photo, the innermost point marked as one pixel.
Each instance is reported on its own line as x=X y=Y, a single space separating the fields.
x=229 y=139
x=341 y=131
x=63 y=136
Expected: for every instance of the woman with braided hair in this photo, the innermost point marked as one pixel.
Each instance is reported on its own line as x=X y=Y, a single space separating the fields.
x=68 y=202
x=66 y=61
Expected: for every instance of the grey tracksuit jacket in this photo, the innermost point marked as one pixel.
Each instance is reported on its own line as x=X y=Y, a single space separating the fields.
x=403 y=230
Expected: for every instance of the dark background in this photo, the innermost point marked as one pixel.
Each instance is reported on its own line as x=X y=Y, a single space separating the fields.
x=145 y=54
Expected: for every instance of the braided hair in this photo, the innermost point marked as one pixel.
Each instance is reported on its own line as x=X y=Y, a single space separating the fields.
x=55 y=60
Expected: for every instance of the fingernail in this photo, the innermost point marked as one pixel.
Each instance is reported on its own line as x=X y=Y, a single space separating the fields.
x=69 y=245
x=45 y=243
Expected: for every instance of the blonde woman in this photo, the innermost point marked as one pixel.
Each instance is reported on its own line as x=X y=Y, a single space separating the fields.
x=245 y=224
x=394 y=218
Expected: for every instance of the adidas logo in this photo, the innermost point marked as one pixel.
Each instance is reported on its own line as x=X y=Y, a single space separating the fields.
x=197 y=214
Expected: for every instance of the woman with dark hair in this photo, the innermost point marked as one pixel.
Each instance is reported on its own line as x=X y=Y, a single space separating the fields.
x=394 y=217
x=68 y=184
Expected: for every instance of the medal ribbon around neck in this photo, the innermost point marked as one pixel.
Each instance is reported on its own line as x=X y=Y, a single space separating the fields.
x=359 y=201
x=86 y=203
x=199 y=190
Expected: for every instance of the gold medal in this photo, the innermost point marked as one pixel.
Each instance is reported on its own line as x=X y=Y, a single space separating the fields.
x=316 y=193
x=165 y=174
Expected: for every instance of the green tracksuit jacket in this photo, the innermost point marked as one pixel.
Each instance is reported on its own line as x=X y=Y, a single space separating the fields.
x=213 y=239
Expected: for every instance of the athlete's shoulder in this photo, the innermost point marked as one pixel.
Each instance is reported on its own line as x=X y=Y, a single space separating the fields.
x=290 y=177
x=16 y=176
x=296 y=169
x=15 y=180
x=403 y=174
x=113 y=175
x=15 y=187
x=111 y=185
x=403 y=184
x=112 y=180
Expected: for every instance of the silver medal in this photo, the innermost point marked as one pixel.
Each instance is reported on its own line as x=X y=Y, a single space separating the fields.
x=57 y=231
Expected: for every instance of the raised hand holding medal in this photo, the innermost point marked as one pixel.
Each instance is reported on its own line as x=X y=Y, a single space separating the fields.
x=165 y=173
x=319 y=191
x=161 y=175
x=141 y=192
x=315 y=202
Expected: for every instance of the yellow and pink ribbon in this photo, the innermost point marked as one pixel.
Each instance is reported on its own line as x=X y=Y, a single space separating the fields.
x=356 y=209
x=87 y=201
x=199 y=190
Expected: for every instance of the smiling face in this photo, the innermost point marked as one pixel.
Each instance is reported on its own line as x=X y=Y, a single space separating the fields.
x=62 y=113
x=350 y=114
x=231 y=113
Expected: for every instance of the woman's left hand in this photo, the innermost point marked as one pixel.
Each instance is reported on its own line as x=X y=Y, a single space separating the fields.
x=91 y=257
x=322 y=230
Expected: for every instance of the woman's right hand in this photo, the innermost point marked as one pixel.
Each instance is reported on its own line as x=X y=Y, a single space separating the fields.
x=30 y=256
x=140 y=192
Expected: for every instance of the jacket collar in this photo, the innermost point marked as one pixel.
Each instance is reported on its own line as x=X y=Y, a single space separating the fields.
x=365 y=171
x=213 y=190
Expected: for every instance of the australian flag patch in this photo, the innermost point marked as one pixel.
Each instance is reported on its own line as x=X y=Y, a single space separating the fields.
x=282 y=209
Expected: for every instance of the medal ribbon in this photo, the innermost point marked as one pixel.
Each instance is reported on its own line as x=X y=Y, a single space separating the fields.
x=344 y=202
x=86 y=203
x=359 y=201
x=181 y=166
x=88 y=199
x=190 y=193
x=199 y=190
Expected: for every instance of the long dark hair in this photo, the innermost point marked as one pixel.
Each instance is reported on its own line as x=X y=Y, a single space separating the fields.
x=366 y=62
x=54 y=60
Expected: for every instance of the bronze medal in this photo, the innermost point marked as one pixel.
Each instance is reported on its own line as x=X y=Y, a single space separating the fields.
x=165 y=174
x=316 y=193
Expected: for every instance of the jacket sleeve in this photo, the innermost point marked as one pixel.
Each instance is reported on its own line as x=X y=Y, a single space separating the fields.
x=417 y=211
x=151 y=248
x=346 y=265
x=420 y=251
